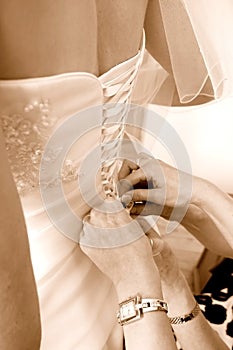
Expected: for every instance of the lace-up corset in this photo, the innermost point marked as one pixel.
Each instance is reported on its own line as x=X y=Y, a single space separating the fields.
x=117 y=97
x=31 y=109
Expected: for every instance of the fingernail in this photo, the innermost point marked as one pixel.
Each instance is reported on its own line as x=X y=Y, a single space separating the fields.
x=123 y=186
x=126 y=198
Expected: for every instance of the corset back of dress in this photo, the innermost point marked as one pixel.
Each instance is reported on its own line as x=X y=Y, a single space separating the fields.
x=32 y=111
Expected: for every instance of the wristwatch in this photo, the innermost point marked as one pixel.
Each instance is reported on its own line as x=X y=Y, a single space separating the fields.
x=134 y=308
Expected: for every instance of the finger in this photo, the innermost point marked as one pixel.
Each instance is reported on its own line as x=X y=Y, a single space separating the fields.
x=157 y=244
x=136 y=176
x=156 y=196
x=126 y=168
x=139 y=195
x=145 y=209
x=136 y=179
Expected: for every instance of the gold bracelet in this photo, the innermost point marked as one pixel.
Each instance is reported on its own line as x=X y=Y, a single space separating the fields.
x=186 y=318
x=134 y=308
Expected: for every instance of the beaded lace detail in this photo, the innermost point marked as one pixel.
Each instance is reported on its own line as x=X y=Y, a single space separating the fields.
x=25 y=134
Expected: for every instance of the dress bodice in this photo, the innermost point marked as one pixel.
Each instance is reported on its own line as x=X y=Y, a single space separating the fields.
x=32 y=109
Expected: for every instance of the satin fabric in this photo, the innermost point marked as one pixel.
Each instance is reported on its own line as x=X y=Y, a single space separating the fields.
x=77 y=302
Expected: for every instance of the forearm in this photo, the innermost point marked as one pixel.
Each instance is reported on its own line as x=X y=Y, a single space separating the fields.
x=19 y=310
x=196 y=332
x=202 y=226
x=153 y=330
x=150 y=333
x=210 y=217
x=216 y=203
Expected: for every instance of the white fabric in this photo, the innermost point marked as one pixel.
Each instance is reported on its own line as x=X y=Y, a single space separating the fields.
x=198 y=36
x=77 y=302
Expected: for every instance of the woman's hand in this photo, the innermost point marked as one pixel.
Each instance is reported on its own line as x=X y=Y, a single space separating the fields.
x=164 y=257
x=133 y=271
x=195 y=209
x=167 y=188
x=130 y=267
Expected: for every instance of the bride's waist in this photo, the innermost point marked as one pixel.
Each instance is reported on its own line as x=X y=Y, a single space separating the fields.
x=37 y=203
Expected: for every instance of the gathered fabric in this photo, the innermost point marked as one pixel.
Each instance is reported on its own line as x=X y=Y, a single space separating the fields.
x=77 y=302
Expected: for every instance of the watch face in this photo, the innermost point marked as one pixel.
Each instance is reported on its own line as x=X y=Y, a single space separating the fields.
x=127 y=310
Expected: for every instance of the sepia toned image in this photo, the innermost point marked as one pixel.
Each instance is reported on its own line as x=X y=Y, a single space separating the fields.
x=116 y=176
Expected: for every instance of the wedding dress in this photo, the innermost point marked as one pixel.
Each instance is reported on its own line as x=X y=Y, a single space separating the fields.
x=77 y=303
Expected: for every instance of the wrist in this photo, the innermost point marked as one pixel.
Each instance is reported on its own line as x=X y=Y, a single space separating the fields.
x=179 y=297
x=134 y=308
x=146 y=283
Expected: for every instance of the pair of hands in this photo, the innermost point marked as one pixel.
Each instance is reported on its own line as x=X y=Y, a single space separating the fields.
x=119 y=263
x=166 y=189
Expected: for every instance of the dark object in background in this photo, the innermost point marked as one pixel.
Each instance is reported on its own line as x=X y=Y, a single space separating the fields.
x=214 y=313
x=222 y=277
x=219 y=289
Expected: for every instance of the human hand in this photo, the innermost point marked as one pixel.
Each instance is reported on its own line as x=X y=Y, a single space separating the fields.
x=166 y=187
x=130 y=267
x=164 y=258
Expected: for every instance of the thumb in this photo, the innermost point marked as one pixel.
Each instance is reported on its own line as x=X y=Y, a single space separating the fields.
x=146 y=208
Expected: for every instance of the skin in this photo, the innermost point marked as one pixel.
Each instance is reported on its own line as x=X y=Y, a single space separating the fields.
x=132 y=270
x=42 y=30
x=19 y=309
x=32 y=32
x=107 y=32
x=181 y=301
x=151 y=271
x=209 y=224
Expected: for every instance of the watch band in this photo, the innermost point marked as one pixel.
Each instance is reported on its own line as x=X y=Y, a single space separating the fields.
x=186 y=318
x=134 y=308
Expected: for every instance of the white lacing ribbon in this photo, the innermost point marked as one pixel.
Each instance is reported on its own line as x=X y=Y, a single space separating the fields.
x=117 y=97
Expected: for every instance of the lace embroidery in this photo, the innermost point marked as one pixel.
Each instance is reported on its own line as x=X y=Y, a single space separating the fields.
x=25 y=136
x=27 y=132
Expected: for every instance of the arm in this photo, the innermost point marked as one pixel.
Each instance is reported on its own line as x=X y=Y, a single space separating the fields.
x=210 y=211
x=19 y=321
x=180 y=300
x=132 y=270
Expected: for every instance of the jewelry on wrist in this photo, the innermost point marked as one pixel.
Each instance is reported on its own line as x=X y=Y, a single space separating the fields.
x=186 y=318
x=134 y=308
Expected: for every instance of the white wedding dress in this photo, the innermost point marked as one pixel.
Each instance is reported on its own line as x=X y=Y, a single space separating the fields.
x=77 y=303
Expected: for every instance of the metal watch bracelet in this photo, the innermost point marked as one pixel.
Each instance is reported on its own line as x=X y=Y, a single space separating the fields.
x=134 y=308
x=187 y=317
